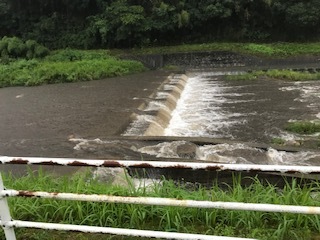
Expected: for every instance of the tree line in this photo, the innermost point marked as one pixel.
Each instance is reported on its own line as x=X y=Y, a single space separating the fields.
x=133 y=23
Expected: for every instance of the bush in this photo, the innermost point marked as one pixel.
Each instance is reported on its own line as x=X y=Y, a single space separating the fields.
x=4 y=56
x=15 y=48
x=31 y=44
x=278 y=141
x=77 y=55
x=34 y=72
x=4 y=44
x=40 y=51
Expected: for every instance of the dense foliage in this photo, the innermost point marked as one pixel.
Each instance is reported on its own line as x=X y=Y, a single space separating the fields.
x=65 y=66
x=129 y=23
x=16 y=48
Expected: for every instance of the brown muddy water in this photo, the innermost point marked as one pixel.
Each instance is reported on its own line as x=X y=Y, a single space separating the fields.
x=77 y=120
x=38 y=121
x=211 y=106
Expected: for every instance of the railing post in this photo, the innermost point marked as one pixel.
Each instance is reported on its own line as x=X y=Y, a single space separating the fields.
x=5 y=214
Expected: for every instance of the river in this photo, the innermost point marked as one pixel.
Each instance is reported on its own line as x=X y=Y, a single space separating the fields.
x=254 y=111
x=83 y=120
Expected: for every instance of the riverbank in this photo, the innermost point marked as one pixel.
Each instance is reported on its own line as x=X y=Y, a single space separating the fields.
x=64 y=66
x=271 y=50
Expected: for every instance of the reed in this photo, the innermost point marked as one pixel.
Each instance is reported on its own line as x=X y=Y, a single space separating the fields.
x=259 y=225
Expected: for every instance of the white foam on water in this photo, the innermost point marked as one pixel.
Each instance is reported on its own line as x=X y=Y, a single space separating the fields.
x=221 y=73
x=200 y=111
x=308 y=90
x=168 y=87
x=235 y=94
x=309 y=94
x=225 y=153
x=86 y=144
x=203 y=109
x=289 y=88
x=162 y=95
x=291 y=158
x=289 y=137
x=155 y=106
x=163 y=150
x=136 y=128
x=220 y=153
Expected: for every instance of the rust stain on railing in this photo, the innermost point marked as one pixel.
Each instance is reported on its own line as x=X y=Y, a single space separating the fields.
x=163 y=165
x=262 y=207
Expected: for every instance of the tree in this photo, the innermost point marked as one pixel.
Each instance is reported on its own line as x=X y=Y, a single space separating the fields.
x=120 y=24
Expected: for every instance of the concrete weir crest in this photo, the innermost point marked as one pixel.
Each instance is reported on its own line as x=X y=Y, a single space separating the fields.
x=156 y=119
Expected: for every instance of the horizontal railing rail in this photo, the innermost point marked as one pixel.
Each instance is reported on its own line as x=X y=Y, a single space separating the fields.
x=161 y=164
x=8 y=224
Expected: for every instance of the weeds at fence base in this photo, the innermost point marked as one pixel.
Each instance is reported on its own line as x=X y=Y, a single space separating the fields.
x=261 y=225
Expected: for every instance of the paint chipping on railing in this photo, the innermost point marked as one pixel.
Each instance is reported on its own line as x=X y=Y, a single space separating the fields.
x=164 y=165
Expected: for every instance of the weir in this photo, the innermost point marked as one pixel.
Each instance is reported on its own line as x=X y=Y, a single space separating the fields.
x=163 y=105
x=197 y=116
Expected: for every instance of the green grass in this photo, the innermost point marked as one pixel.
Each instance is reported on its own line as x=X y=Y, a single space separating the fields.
x=279 y=49
x=303 y=127
x=66 y=66
x=278 y=141
x=252 y=224
x=277 y=74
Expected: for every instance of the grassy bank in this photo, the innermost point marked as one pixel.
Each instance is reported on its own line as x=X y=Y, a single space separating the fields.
x=279 y=49
x=65 y=66
x=259 y=225
x=277 y=74
x=76 y=65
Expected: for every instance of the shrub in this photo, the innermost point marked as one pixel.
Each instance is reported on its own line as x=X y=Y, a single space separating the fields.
x=303 y=127
x=77 y=55
x=4 y=44
x=278 y=141
x=40 y=51
x=31 y=44
x=31 y=72
x=5 y=56
x=15 y=48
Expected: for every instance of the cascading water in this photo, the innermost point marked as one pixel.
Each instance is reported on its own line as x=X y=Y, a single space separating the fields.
x=242 y=113
x=245 y=111
x=200 y=110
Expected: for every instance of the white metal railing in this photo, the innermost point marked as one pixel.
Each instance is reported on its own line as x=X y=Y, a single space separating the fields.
x=8 y=224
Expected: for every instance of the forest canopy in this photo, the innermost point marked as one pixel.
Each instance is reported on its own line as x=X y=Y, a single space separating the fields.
x=89 y=24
